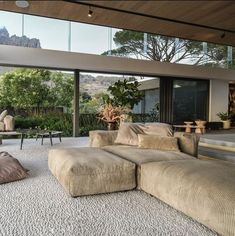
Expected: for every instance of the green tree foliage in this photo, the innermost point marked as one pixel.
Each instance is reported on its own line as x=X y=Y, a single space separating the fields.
x=24 y=88
x=168 y=49
x=159 y=48
x=124 y=93
x=27 y=88
x=62 y=88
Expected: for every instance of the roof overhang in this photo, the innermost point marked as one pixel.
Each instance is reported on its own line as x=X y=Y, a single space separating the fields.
x=52 y=59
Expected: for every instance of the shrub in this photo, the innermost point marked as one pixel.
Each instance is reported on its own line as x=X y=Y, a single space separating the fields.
x=60 y=121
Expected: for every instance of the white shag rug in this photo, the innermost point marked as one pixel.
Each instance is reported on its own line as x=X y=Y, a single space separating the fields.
x=39 y=206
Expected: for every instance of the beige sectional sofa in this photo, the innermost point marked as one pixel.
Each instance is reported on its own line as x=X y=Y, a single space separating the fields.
x=203 y=190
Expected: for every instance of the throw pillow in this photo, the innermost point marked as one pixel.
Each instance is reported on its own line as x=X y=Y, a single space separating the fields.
x=157 y=128
x=3 y=115
x=128 y=133
x=158 y=142
x=10 y=169
x=188 y=142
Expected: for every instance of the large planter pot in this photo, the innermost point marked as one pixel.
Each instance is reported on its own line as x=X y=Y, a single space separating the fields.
x=226 y=124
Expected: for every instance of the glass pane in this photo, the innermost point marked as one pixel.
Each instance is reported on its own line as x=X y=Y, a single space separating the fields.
x=89 y=38
x=190 y=101
x=149 y=106
x=151 y=100
x=10 y=28
x=52 y=33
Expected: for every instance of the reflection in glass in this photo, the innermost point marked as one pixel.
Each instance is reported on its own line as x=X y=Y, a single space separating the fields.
x=190 y=100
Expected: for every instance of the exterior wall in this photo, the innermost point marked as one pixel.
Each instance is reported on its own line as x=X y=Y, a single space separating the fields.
x=218 y=102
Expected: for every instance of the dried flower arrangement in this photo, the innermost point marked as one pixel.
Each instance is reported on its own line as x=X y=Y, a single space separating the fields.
x=112 y=114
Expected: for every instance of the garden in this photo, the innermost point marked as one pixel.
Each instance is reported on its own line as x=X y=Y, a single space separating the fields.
x=43 y=99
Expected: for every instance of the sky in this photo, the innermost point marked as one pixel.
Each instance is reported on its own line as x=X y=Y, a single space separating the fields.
x=54 y=34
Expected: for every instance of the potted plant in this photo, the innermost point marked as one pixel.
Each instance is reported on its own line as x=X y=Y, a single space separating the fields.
x=119 y=103
x=112 y=115
x=225 y=118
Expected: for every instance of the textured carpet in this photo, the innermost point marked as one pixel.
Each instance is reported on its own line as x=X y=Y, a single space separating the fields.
x=39 y=206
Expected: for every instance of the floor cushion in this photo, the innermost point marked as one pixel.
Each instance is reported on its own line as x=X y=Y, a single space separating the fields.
x=203 y=190
x=86 y=171
x=10 y=169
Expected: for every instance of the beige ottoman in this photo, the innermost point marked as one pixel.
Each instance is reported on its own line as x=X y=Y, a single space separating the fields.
x=204 y=190
x=86 y=171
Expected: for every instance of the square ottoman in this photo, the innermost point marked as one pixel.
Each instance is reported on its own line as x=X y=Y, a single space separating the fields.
x=86 y=171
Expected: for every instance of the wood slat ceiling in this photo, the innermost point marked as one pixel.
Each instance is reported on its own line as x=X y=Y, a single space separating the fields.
x=212 y=14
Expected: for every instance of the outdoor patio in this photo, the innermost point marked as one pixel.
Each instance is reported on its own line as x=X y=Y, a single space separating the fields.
x=39 y=205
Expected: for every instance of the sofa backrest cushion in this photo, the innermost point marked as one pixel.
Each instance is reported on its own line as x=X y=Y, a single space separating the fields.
x=128 y=133
x=3 y=115
x=188 y=142
x=158 y=142
x=157 y=128
x=9 y=122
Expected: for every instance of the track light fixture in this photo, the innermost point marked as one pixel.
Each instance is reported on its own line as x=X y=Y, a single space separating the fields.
x=90 y=12
x=222 y=35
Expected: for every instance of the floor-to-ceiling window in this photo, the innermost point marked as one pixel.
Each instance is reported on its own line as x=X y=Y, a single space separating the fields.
x=190 y=100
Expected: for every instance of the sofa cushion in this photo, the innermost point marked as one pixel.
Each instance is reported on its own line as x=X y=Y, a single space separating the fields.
x=203 y=190
x=2 y=126
x=3 y=115
x=140 y=155
x=10 y=169
x=128 y=133
x=188 y=142
x=85 y=171
x=158 y=142
x=9 y=122
x=157 y=128
x=100 y=138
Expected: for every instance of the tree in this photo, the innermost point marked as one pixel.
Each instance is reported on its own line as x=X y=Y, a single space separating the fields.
x=25 y=88
x=168 y=49
x=62 y=89
x=159 y=48
x=30 y=88
x=124 y=93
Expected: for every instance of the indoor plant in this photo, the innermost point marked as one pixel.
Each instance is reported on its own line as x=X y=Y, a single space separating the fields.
x=225 y=118
x=112 y=114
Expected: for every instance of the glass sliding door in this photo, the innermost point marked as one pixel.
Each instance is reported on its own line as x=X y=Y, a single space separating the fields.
x=190 y=100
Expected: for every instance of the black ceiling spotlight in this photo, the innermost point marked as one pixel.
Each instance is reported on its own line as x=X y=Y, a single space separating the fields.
x=222 y=35
x=90 y=12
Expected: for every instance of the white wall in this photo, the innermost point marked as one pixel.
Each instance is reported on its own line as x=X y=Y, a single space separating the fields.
x=219 y=91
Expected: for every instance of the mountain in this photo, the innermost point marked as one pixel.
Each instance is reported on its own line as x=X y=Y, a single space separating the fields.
x=23 y=41
x=95 y=84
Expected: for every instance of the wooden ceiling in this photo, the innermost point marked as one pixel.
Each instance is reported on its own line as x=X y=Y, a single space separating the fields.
x=210 y=21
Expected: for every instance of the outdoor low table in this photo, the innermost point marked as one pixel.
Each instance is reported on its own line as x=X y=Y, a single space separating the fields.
x=49 y=134
x=28 y=132
x=11 y=133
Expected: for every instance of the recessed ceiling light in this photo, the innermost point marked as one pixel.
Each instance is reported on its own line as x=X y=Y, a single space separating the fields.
x=22 y=3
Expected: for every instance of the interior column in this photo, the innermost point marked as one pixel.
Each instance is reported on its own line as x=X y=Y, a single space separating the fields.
x=76 y=103
x=166 y=100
